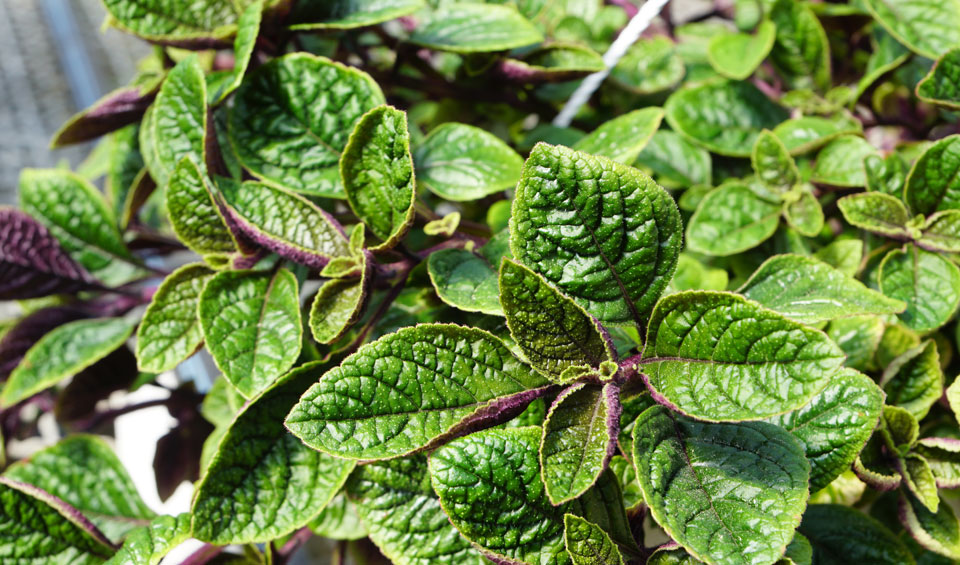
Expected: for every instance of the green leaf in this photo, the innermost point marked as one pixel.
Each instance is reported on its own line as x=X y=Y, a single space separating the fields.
x=263 y=483
x=843 y=255
x=430 y=381
x=552 y=331
x=927 y=27
x=835 y=425
x=941 y=232
x=768 y=366
x=351 y=14
x=179 y=22
x=339 y=520
x=62 y=353
x=941 y=86
x=886 y=175
x=841 y=535
x=899 y=430
x=579 y=437
x=464 y=280
x=937 y=531
x=876 y=212
x=728 y=493
x=887 y=55
x=377 y=173
x=919 y=480
x=810 y=291
x=406 y=522
x=732 y=219
x=194 y=214
x=76 y=214
x=176 y=126
x=693 y=275
x=38 y=528
x=914 y=381
x=840 y=163
x=248 y=28
x=624 y=137
x=475 y=28
x=610 y=224
x=927 y=282
x=292 y=117
x=737 y=55
x=943 y=456
x=284 y=222
x=859 y=338
x=588 y=544
x=556 y=62
x=773 y=164
x=723 y=116
x=805 y=214
x=932 y=184
x=801 y=53
x=83 y=471
x=149 y=544
x=806 y=133
x=651 y=65
x=675 y=162
x=251 y=325
x=338 y=305
x=461 y=163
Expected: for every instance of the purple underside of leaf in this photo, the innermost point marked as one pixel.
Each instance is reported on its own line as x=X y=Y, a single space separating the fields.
x=247 y=233
x=611 y=396
x=29 y=330
x=32 y=263
x=124 y=107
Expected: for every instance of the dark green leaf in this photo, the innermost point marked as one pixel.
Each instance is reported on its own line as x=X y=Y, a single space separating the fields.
x=932 y=184
x=885 y=175
x=858 y=337
x=588 y=544
x=801 y=53
x=651 y=65
x=675 y=162
x=913 y=381
x=937 y=531
x=732 y=219
x=927 y=282
x=841 y=535
x=942 y=84
x=350 y=14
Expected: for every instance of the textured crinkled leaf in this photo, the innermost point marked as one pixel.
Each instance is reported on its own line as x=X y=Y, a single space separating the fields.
x=841 y=535
x=943 y=456
x=62 y=353
x=83 y=471
x=723 y=116
x=932 y=184
x=339 y=520
x=194 y=214
x=475 y=28
x=941 y=232
x=579 y=437
x=859 y=338
x=170 y=330
x=805 y=214
x=773 y=164
x=39 y=528
x=149 y=544
x=377 y=173
x=177 y=122
x=76 y=214
x=737 y=55
x=919 y=480
x=675 y=162
x=835 y=425
x=284 y=222
x=810 y=291
x=460 y=162
x=914 y=381
x=927 y=27
x=588 y=544
x=732 y=219
x=350 y=14
x=801 y=52
x=672 y=554
x=263 y=483
x=292 y=118
x=605 y=234
x=927 y=282
x=248 y=28
x=899 y=429
x=728 y=493
x=624 y=137
x=338 y=305
x=32 y=262
x=179 y=22
x=937 y=531
x=553 y=332
x=464 y=280
x=885 y=174
x=876 y=212
x=396 y=502
x=409 y=389
x=806 y=133
x=651 y=65
x=840 y=163
x=718 y=356
x=942 y=84
x=251 y=325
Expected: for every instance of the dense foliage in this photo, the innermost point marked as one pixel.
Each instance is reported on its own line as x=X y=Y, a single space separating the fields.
x=713 y=321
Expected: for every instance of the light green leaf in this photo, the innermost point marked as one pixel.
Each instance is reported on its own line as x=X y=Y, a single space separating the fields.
x=876 y=212
x=556 y=62
x=339 y=520
x=859 y=338
x=941 y=86
x=177 y=125
x=179 y=22
x=723 y=116
x=461 y=163
x=429 y=381
x=732 y=219
x=728 y=493
x=806 y=133
x=624 y=137
x=801 y=53
x=675 y=162
x=841 y=535
x=83 y=471
x=464 y=280
x=350 y=14
x=588 y=544
x=835 y=425
x=737 y=55
x=62 y=353
x=552 y=331
x=338 y=305
x=927 y=282
x=843 y=255
x=768 y=366
x=263 y=483
x=937 y=531
x=943 y=456
x=194 y=214
x=932 y=184
x=773 y=164
x=941 y=232
x=840 y=163
x=810 y=291
x=919 y=480
x=248 y=28
x=251 y=325
x=927 y=27
x=149 y=544
x=693 y=275
x=475 y=28
x=651 y=65
x=805 y=214
x=406 y=522
x=292 y=117
x=887 y=55
x=377 y=173
x=603 y=233
x=914 y=381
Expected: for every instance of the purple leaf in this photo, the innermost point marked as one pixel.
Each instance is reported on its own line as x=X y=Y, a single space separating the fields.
x=29 y=330
x=78 y=401
x=119 y=108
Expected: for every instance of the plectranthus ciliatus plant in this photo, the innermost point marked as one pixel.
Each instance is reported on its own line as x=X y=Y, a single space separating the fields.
x=713 y=321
